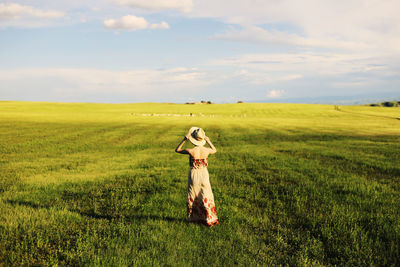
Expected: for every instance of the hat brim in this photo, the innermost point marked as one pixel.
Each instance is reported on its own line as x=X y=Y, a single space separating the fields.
x=193 y=140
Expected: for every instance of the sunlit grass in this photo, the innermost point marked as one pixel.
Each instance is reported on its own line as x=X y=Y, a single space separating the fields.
x=100 y=184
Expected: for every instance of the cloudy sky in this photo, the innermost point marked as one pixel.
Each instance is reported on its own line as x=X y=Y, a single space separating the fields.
x=189 y=50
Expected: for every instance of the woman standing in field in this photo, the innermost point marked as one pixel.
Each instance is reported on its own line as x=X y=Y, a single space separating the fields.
x=200 y=199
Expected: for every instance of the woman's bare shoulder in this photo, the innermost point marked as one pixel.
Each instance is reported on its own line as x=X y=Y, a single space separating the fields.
x=210 y=150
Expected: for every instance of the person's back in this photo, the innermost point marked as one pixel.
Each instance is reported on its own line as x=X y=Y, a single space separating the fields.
x=199 y=152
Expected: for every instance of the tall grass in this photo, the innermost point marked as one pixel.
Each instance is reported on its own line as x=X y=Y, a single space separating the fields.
x=99 y=184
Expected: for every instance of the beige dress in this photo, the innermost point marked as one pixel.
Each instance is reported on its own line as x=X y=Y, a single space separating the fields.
x=200 y=199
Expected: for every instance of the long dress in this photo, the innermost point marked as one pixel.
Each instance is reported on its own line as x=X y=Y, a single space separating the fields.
x=200 y=198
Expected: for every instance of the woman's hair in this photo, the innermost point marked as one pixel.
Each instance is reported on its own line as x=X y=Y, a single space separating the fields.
x=199 y=134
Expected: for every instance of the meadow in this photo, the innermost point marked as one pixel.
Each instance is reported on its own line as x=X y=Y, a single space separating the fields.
x=100 y=184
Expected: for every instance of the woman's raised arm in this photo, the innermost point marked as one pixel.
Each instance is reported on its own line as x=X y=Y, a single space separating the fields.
x=213 y=150
x=179 y=149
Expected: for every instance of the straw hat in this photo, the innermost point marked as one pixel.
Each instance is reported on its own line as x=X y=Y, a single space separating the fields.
x=196 y=136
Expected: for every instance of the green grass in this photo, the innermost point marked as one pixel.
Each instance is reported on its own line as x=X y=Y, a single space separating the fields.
x=100 y=184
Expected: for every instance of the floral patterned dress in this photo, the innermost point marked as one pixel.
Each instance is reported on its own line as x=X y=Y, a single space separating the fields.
x=200 y=199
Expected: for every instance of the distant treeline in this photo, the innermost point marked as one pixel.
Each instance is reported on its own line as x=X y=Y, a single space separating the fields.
x=386 y=104
x=202 y=102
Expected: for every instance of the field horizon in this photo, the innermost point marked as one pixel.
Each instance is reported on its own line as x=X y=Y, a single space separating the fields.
x=294 y=184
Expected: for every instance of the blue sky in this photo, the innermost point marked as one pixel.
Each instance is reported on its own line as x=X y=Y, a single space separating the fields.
x=120 y=51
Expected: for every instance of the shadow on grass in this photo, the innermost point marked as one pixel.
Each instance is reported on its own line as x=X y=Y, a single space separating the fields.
x=131 y=217
x=93 y=215
x=27 y=204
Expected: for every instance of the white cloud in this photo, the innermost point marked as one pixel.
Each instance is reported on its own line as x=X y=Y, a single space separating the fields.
x=275 y=93
x=311 y=73
x=158 y=5
x=68 y=83
x=133 y=23
x=16 y=11
x=291 y=77
x=126 y=23
x=256 y=34
x=368 y=24
x=310 y=63
x=352 y=84
x=162 y=25
x=261 y=77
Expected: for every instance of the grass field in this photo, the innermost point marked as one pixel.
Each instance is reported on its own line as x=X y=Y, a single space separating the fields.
x=100 y=184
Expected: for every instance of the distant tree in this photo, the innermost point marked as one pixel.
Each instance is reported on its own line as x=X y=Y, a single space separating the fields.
x=388 y=104
x=240 y=102
x=209 y=102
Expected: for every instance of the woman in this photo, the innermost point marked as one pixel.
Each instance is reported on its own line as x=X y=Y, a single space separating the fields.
x=200 y=199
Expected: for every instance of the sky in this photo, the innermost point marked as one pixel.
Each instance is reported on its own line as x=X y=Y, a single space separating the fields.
x=126 y=51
